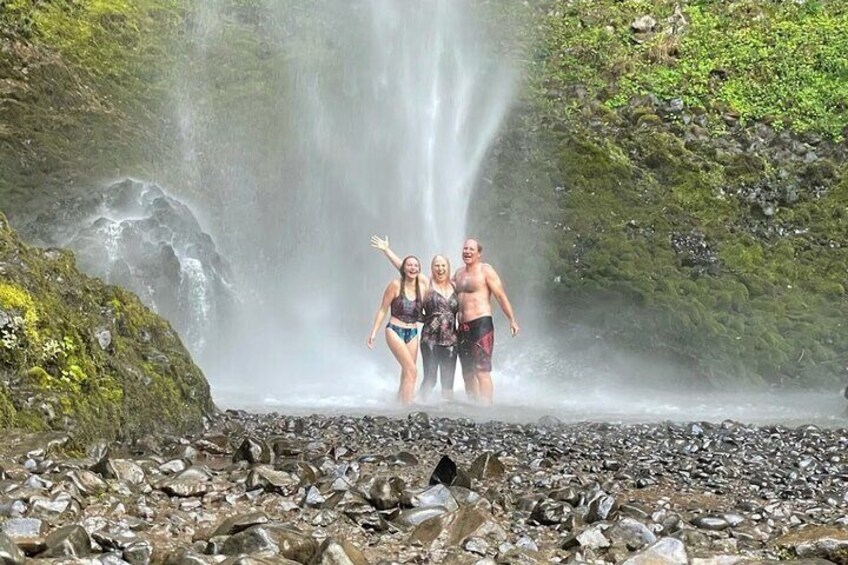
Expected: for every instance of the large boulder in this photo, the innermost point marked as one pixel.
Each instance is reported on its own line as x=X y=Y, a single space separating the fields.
x=135 y=235
x=84 y=357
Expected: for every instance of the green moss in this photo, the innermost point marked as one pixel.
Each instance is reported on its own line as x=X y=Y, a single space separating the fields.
x=7 y=410
x=77 y=385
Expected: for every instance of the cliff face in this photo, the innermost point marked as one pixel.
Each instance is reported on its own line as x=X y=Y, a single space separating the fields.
x=672 y=176
x=81 y=356
x=677 y=170
x=82 y=87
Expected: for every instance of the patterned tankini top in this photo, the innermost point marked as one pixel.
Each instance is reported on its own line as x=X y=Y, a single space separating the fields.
x=440 y=319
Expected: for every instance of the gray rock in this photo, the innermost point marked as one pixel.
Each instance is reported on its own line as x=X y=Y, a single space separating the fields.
x=385 y=493
x=22 y=528
x=448 y=473
x=712 y=523
x=287 y=541
x=12 y=508
x=254 y=451
x=632 y=533
x=68 y=541
x=438 y=495
x=487 y=466
x=264 y=477
x=549 y=512
x=87 y=482
x=239 y=523
x=592 y=538
x=451 y=530
x=120 y=469
x=665 y=551
x=104 y=338
x=10 y=553
x=643 y=24
x=823 y=542
x=183 y=488
x=334 y=552
x=415 y=516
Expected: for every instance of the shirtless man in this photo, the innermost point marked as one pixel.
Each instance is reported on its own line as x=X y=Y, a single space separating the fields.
x=476 y=283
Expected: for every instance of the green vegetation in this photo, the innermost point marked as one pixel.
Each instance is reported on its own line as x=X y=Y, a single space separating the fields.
x=83 y=84
x=680 y=187
x=710 y=231
x=85 y=357
x=785 y=62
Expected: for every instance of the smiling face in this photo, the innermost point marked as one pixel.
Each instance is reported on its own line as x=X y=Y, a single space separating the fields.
x=410 y=268
x=440 y=269
x=470 y=251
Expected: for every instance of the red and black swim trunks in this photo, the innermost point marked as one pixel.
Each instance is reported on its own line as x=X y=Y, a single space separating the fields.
x=476 y=343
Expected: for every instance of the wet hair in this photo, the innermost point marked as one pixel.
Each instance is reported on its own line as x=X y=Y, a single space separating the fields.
x=477 y=241
x=446 y=261
x=417 y=279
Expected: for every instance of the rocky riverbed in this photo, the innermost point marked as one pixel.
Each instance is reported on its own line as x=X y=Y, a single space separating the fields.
x=417 y=489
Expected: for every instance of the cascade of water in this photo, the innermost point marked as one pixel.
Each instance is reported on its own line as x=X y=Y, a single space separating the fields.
x=380 y=115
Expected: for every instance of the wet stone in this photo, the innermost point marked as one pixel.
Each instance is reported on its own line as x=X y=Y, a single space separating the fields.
x=286 y=541
x=254 y=451
x=447 y=473
x=548 y=512
x=238 y=523
x=712 y=523
x=332 y=552
x=592 y=538
x=386 y=493
x=270 y=480
x=600 y=508
x=665 y=551
x=68 y=541
x=12 y=509
x=183 y=488
x=487 y=466
x=117 y=540
x=633 y=534
x=120 y=469
x=437 y=495
x=415 y=516
x=10 y=553
x=402 y=459
x=453 y=529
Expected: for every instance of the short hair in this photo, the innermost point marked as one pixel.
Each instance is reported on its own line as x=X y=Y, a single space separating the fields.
x=477 y=241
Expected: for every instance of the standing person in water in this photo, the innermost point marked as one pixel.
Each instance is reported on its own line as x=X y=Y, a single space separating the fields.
x=476 y=283
x=438 y=336
x=403 y=300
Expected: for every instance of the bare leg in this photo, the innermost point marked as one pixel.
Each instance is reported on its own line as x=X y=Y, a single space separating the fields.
x=406 y=354
x=485 y=388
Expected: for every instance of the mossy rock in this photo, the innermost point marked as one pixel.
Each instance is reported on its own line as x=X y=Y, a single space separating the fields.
x=81 y=356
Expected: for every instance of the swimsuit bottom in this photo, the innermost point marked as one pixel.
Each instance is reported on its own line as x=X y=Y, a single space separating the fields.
x=406 y=334
x=476 y=343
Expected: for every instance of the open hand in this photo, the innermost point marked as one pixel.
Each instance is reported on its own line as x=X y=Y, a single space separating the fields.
x=381 y=244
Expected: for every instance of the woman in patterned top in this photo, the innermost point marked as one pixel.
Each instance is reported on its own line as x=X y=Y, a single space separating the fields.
x=438 y=336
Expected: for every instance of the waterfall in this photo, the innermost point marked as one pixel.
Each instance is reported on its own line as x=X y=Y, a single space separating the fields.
x=354 y=118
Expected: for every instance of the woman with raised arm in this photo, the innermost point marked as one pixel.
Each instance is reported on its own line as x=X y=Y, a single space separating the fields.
x=403 y=300
x=438 y=336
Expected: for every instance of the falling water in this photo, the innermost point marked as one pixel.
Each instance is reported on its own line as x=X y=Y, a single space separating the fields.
x=368 y=116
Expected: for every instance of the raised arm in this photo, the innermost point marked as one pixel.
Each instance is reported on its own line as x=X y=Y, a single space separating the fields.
x=497 y=289
x=388 y=295
x=383 y=245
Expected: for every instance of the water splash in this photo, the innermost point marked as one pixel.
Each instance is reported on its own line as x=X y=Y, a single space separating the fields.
x=368 y=116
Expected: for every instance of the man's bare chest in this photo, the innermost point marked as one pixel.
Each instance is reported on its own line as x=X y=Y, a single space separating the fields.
x=470 y=283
